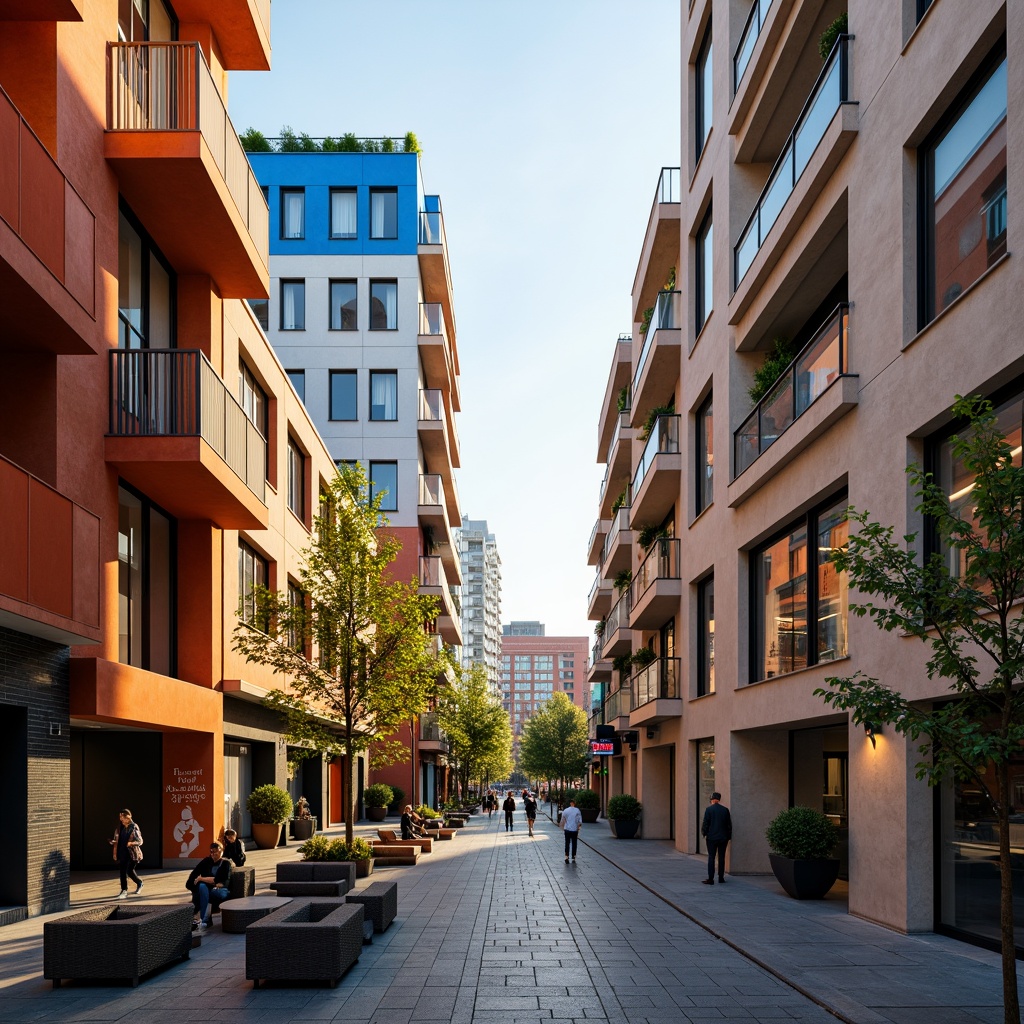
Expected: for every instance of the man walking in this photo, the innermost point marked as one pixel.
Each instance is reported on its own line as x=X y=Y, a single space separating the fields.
x=717 y=830
x=509 y=807
x=571 y=822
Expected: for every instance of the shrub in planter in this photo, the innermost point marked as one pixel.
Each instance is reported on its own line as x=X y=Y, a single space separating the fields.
x=316 y=848
x=831 y=34
x=589 y=804
x=802 y=841
x=268 y=806
x=377 y=797
x=427 y=812
x=357 y=850
x=397 y=804
x=623 y=815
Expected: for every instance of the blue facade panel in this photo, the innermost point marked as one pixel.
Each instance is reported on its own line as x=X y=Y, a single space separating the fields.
x=317 y=174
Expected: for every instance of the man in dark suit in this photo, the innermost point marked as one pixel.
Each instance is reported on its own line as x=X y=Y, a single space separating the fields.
x=717 y=830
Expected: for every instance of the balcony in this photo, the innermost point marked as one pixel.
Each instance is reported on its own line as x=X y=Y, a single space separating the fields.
x=657 y=586
x=436 y=431
x=830 y=93
x=432 y=512
x=47 y=248
x=432 y=736
x=433 y=583
x=614 y=402
x=181 y=167
x=599 y=669
x=433 y=259
x=656 y=483
x=657 y=367
x=616 y=708
x=599 y=601
x=618 y=459
x=618 y=546
x=595 y=546
x=823 y=361
x=178 y=434
x=42 y=10
x=748 y=40
x=617 y=637
x=661 y=241
x=437 y=354
x=49 y=561
x=242 y=28
x=656 y=693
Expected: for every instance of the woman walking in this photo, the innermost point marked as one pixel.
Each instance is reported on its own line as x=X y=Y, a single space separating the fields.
x=530 y=804
x=127 y=850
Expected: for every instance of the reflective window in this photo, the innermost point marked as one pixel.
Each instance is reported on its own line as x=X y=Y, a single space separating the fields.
x=706 y=627
x=384 y=395
x=293 y=305
x=384 y=482
x=383 y=213
x=705 y=454
x=344 y=396
x=145 y=292
x=296 y=479
x=344 y=310
x=703 y=100
x=253 y=571
x=703 y=282
x=383 y=305
x=298 y=379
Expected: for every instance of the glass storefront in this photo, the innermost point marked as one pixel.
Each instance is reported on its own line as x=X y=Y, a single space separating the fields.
x=705 y=781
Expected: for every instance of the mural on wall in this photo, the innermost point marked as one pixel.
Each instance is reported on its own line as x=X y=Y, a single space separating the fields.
x=187 y=791
x=186 y=832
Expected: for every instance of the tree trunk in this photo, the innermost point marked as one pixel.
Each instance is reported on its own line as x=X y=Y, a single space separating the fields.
x=1011 y=1004
x=350 y=812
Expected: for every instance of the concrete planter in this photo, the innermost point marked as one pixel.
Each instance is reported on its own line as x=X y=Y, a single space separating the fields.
x=589 y=814
x=376 y=813
x=805 y=879
x=364 y=867
x=624 y=828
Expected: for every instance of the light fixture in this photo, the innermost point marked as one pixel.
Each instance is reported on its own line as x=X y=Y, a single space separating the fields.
x=872 y=730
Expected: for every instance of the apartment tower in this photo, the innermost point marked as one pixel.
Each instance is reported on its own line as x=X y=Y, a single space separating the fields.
x=481 y=598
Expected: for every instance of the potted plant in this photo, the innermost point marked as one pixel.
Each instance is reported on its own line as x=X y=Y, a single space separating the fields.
x=377 y=797
x=269 y=807
x=304 y=823
x=359 y=851
x=802 y=841
x=624 y=815
x=589 y=804
x=397 y=804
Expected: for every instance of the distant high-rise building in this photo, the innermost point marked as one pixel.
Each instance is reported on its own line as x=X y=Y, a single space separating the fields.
x=519 y=628
x=481 y=597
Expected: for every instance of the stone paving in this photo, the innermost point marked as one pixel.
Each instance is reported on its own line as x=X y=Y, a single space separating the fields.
x=494 y=927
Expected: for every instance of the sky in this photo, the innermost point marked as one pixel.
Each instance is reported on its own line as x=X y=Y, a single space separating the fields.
x=543 y=125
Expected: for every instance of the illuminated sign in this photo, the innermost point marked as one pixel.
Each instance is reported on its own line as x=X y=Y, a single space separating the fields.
x=603 y=747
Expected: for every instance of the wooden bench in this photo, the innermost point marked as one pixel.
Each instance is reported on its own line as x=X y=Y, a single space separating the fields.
x=389 y=854
x=389 y=837
x=380 y=903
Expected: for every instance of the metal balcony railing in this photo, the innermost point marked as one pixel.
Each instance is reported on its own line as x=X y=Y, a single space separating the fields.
x=661 y=563
x=668 y=186
x=829 y=93
x=618 y=617
x=667 y=316
x=177 y=393
x=169 y=87
x=748 y=40
x=658 y=680
x=620 y=524
x=664 y=439
x=822 y=361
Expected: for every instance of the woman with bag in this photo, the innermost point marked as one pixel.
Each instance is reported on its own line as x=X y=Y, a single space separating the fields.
x=127 y=850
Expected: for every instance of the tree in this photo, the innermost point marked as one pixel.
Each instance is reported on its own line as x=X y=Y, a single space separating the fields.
x=476 y=726
x=374 y=666
x=963 y=601
x=555 y=742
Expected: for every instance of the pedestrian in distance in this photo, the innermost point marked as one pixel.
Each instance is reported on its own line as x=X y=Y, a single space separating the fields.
x=530 y=806
x=208 y=882
x=407 y=822
x=717 y=830
x=509 y=807
x=127 y=851
x=234 y=848
x=571 y=821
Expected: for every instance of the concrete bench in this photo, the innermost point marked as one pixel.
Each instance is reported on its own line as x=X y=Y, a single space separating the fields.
x=379 y=901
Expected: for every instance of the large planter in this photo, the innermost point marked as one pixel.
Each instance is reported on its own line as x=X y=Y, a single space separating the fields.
x=805 y=879
x=266 y=836
x=364 y=867
x=624 y=828
x=590 y=814
x=376 y=813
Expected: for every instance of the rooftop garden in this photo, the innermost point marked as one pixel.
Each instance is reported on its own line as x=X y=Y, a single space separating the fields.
x=254 y=141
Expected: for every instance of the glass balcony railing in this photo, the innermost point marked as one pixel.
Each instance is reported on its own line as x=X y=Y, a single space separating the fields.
x=431 y=319
x=657 y=681
x=593 y=588
x=748 y=40
x=621 y=423
x=668 y=186
x=666 y=316
x=618 y=618
x=432 y=223
x=821 y=362
x=595 y=652
x=620 y=523
x=431 y=489
x=431 y=404
x=431 y=571
x=829 y=93
x=661 y=563
x=430 y=731
x=664 y=438
x=617 y=704
x=177 y=393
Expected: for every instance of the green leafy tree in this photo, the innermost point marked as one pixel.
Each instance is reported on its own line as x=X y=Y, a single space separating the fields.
x=963 y=602
x=555 y=742
x=477 y=727
x=374 y=666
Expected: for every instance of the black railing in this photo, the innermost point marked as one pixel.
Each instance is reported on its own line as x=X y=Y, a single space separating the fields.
x=657 y=681
x=661 y=563
x=748 y=40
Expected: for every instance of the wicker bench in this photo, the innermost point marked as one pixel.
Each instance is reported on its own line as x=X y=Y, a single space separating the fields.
x=237 y=915
x=315 y=878
x=379 y=901
x=307 y=940
x=116 y=942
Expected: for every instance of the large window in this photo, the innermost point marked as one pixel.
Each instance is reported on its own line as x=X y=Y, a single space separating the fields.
x=703 y=94
x=343 y=213
x=146 y=561
x=963 y=191
x=704 y=288
x=253 y=571
x=293 y=213
x=344 y=309
x=252 y=398
x=145 y=291
x=705 y=467
x=800 y=602
x=383 y=305
x=296 y=478
x=383 y=213
x=384 y=395
x=293 y=305
x=344 y=396
x=706 y=636
x=384 y=478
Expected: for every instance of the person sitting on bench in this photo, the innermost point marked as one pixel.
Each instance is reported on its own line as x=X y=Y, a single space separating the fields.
x=208 y=883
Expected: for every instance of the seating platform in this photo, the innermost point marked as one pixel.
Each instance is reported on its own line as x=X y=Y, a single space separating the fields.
x=379 y=901
x=389 y=837
x=315 y=878
x=237 y=915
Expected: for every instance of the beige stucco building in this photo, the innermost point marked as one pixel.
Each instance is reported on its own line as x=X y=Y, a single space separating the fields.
x=855 y=206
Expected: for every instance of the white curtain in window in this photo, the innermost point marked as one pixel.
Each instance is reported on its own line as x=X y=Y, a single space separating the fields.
x=292 y=213
x=385 y=394
x=391 y=305
x=343 y=214
x=292 y=307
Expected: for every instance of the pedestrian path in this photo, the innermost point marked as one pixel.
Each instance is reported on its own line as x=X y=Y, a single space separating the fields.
x=493 y=926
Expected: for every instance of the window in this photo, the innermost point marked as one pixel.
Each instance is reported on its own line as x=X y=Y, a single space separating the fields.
x=343 y=213
x=344 y=308
x=298 y=379
x=253 y=571
x=704 y=290
x=703 y=94
x=384 y=478
x=383 y=305
x=383 y=395
x=296 y=605
x=296 y=479
x=252 y=398
x=383 y=213
x=800 y=601
x=293 y=213
x=344 y=402
x=963 y=193
x=705 y=455
x=261 y=310
x=706 y=633
x=543 y=661
x=146 y=591
x=139 y=20
x=293 y=305
x=145 y=291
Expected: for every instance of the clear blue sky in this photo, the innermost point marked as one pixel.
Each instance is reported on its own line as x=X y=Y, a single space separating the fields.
x=544 y=125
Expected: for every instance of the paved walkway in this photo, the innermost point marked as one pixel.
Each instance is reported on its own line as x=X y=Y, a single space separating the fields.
x=495 y=927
